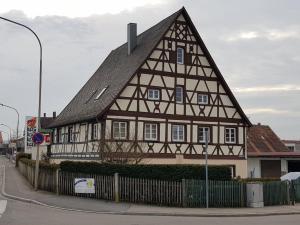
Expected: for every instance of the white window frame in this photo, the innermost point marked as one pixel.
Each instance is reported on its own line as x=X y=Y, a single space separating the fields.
x=202 y=129
x=153 y=94
x=70 y=134
x=122 y=135
x=180 y=55
x=96 y=131
x=230 y=135
x=201 y=98
x=181 y=94
x=151 y=132
x=176 y=130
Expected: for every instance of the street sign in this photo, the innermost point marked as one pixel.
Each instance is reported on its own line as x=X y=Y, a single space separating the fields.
x=38 y=138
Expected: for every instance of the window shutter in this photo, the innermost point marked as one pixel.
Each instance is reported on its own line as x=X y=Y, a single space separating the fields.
x=172 y=57
x=188 y=59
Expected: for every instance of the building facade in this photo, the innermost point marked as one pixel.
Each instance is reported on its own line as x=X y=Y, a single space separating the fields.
x=153 y=100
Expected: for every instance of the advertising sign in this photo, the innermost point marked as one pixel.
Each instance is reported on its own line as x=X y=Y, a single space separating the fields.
x=30 y=130
x=84 y=185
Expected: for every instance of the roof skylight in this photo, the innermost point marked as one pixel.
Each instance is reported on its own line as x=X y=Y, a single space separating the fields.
x=101 y=92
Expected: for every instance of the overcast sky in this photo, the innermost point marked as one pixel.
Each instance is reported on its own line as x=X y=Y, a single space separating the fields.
x=256 y=45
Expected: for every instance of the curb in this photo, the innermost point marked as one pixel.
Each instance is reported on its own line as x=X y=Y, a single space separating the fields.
x=32 y=201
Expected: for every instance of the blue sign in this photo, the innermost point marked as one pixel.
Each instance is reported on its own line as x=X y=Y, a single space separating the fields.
x=38 y=138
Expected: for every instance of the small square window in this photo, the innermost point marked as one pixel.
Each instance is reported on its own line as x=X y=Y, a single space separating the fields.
x=178 y=133
x=151 y=132
x=203 y=99
x=191 y=48
x=202 y=131
x=119 y=130
x=180 y=55
x=230 y=135
x=153 y=94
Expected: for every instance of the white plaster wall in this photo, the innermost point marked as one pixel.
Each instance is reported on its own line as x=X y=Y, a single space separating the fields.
x=254 y=165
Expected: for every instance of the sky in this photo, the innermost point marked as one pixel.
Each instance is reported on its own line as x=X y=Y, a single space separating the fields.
x=256 y=45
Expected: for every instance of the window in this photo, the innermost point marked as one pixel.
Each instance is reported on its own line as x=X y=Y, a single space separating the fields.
x=153 y=94
x=70 y=134
x=101 y=92
x=291 y=147
x=151 y=132
x=202 y=131
x=58 y=135
x=230 y=135
x=178 y=133
x=179 y=94
x=95 y=131
x=119 y=130
x=202 y=99
x=180 y=55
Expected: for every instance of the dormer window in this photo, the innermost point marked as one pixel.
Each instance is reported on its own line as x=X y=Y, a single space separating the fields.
x=203 y=99
x=153 y=94
x=101 y=93
x=180 y=55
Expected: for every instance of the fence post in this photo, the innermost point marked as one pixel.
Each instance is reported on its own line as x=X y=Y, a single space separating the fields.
x=183 y=185
x=116 y=183
x=56 y=181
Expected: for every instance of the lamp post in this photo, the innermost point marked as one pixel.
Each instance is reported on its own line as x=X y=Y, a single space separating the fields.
x=10 y=107
x=2 y=124
x=40 y=97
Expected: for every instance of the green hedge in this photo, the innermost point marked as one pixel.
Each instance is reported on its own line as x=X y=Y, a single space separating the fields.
x=43 y=164
x=266 y=179
x=163 y=172
x=22 y=155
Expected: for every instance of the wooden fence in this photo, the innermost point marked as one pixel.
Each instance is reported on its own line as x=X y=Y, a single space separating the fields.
x=47 y=178
x=184 y=193
x=104 y=185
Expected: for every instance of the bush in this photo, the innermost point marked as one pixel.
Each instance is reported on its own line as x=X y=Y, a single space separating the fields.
x=22 y=155
x=266 y=179
x=163 y=172
x=43 y=164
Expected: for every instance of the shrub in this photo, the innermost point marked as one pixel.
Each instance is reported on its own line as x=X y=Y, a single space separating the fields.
x=43 y=164
x=266 y=179
x=22 y=155
x=163 y=172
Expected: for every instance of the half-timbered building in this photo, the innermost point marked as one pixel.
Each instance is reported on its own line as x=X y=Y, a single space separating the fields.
x=157 y=96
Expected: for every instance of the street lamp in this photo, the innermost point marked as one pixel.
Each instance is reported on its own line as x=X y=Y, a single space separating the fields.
x=2 y=124
x=10 y=107
x=40 y=98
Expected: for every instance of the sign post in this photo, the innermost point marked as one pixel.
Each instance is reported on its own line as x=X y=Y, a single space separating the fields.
x=206 y=167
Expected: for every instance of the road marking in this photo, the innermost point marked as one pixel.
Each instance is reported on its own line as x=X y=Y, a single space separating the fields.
x=3 y=204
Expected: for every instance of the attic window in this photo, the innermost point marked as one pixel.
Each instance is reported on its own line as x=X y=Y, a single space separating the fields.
x=101 y=92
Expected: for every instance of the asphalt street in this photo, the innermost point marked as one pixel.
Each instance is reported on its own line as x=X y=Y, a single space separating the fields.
x=20 y=213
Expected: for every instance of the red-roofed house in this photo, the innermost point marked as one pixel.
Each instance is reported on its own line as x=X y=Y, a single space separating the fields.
x=267 y=154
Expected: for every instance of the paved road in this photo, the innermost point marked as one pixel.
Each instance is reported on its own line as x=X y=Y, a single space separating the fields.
x=19 y=213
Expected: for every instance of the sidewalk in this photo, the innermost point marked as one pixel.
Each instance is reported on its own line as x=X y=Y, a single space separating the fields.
x=17 y=185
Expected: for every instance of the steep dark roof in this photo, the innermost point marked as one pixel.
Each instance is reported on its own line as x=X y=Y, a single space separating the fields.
x=114 y=72
x=118 y=68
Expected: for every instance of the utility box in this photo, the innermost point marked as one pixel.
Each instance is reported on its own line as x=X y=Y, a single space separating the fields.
x=255 y=195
